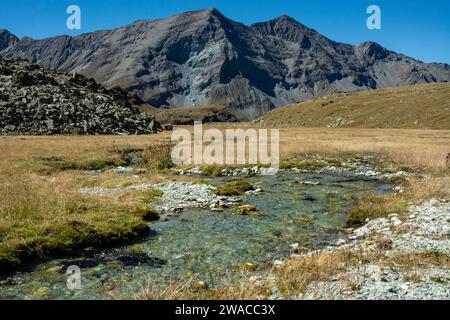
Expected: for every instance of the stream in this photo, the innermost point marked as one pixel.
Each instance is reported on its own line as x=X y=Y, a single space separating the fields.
x=206 y=245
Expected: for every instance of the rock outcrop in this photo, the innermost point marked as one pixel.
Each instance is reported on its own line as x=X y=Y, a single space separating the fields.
x=202 y=57
x=38 y=101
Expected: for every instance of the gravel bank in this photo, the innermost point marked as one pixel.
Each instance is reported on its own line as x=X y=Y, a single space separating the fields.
x=427 y=229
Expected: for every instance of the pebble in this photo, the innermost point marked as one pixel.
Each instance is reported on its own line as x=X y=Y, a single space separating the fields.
x=176 y=196
x=278 y=263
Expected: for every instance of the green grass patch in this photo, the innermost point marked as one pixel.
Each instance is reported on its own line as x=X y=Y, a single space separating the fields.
x=303 y=165
x=146 y=213
x=213 y=170
x=152 y=196
x=234 y=188
x=372 y=206
x=67 y=236
x=100 y=164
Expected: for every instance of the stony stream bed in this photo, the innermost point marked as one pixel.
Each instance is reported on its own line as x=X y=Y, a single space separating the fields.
x=204 y=244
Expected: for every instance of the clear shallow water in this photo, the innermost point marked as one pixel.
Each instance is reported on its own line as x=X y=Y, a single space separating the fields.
x=208 y=245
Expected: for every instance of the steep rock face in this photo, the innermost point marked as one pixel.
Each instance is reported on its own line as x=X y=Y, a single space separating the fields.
x=7 y=39
x=202 y=57
x=34 y=100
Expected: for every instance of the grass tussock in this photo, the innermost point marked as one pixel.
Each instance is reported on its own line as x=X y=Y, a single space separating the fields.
x=154 y=289
x=100 y=164
x=213 y=170
x=371 y=206
x=42 y=212
x=234 y=188
x=159 y=155
x=407 y=261
x=291 y=279
x=416 y=190
x=303 y=165
x=152 y=196
x=146 y=213
x=39 y=218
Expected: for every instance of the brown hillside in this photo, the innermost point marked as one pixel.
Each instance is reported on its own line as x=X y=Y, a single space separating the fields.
x=420 y=106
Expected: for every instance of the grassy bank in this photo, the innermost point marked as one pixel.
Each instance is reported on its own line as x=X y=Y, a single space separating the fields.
x=42 y=212
x=43 y=216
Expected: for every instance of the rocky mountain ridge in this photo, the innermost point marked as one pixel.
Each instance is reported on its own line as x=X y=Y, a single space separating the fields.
x=202 y=57
x=7 y=39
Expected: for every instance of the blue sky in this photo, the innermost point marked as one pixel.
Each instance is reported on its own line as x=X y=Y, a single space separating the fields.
x=417 y=28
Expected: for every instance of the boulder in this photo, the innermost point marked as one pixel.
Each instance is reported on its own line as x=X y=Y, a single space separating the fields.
x=38 y=101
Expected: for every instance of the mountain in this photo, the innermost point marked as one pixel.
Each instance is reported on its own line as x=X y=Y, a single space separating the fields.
x=202 y=57
x=7 y=39
x=424 y=106
x=34 y=100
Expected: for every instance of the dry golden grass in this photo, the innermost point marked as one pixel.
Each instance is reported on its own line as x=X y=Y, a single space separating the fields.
x=294 y=276
x=425 y=148
x=185 y=291
x=421 y=107
x=41 y=209
x=43 y=215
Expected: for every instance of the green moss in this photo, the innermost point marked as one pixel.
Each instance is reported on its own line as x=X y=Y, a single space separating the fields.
x=68 y=237
x=247 y=210
x=137 y=249
x=200 y=182
x=114 y=264
x=234 y=188
x=146 y=213
x=439 y=280
x=303 y=165
x=213 y=170
x=9 y=258
x=303 y=220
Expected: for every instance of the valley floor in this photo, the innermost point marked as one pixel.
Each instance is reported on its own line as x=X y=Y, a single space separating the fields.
x=43 y=213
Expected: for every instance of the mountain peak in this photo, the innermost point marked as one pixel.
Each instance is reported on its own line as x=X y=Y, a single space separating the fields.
x=283 y=20
x=286 y=18
x=201 y=57
x=284 y=27
x=7 y=39
x=371 y=50
x=213 y=10
x=208 y=11
x=369 y=44
x=187 y=16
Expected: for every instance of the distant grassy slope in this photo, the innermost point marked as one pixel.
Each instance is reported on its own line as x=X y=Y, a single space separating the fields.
x=187 y=115
x=421 y=106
